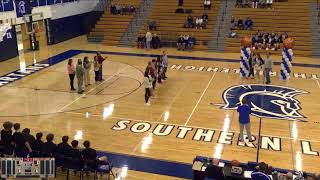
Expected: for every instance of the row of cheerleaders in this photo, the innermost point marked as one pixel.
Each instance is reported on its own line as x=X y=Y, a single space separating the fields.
x=287 y=55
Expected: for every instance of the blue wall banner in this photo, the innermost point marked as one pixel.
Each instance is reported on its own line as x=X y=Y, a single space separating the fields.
x=8 y=42
x=8 y=5
x=23 y=7
x=1 y=6
x=34 y=3
x=42 y=2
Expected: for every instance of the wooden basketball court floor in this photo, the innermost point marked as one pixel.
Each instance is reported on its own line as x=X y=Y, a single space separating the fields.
x=181 y=122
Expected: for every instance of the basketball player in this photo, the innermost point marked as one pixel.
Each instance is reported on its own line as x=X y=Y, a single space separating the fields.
x=244 y=120
x=71 y=72
x=80 y=75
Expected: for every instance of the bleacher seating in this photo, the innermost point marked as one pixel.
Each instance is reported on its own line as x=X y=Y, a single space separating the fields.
x=292 y=17
x=170 y=24
x=111 y=27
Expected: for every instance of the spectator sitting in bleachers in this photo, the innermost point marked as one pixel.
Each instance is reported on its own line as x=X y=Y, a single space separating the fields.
x=199 y=22
x=248 y=24
x=191 y=42
x=152 y=25
x=118 y=9
x=254 y=4
x=132 y=9
x=240 y=24
x=180 y=43
x=207 y=4
x=269 y=3
x=125 y=10
x=205 y=18
x=113 y=9
x=186 y=40
x=155 y=42
x=189 y=23
x=49 y=148
x=122 y=9
x=141 y=41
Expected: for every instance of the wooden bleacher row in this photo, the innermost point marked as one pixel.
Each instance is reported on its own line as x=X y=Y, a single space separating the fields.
x=170 y=24
x=111 y=27
x=292 y=17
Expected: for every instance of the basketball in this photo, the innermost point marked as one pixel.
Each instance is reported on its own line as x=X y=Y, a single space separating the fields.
x=246 y=41
x=288 y=43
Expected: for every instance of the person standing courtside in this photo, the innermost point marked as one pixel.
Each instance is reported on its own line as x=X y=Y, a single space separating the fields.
x=96 y=68
x=87 y=68
x=148 y=85
x=71 y=72
x=148 y=40
x=252 y=61
x=244 y=119
x=164 y=64
x=80 y=75
x=268 y=67
x=100 y=61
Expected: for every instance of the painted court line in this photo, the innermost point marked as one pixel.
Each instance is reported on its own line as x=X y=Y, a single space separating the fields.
x=191 y=58
x=318 y=83
x=92 y=89
x=168 y=107
x=195 y=127
x=195 y=107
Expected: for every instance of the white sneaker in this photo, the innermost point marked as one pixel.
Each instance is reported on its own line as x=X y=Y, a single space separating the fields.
x=148 y=104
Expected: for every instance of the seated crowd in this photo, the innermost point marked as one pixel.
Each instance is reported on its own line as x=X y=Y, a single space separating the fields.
x=268 y=41
x=254 y=3
x=186 y=42
x=196 y=22
x=234 y=24
x=149 y=41
x=24 y=144
x=239 y=24
x=122 y=9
